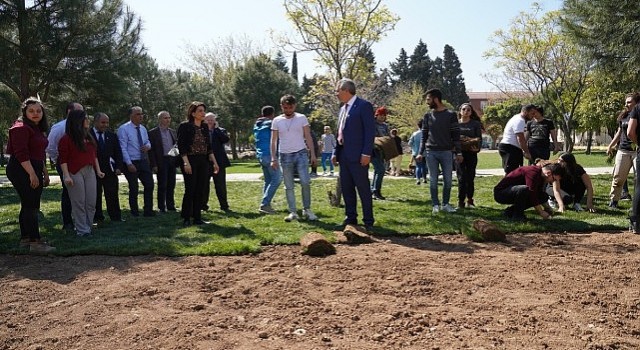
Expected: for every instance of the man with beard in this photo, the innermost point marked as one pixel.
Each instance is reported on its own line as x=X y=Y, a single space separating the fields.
x=440 y=139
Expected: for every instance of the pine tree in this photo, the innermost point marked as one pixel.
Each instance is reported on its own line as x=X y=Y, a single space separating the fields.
x=400 y=68
x=294 y=66
x=281 y=62
x=453 y=87
x=436 y=80
x=420 y=65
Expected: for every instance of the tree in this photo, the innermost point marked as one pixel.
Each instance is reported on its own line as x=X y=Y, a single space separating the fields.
x=257 y=83
x=281 y=62
x=400 y=68
x=407 y=107
x=453 y=87
x=337 y=29
x=66 y=46
x=436 y=80
x=294 y=66
x=421 y=68
x=535 y=56
x=607 y=30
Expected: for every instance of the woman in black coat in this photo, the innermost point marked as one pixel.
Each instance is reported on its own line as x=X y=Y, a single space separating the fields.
x=195 y=150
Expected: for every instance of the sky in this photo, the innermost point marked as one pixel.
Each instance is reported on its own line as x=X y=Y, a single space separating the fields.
x=466 y=25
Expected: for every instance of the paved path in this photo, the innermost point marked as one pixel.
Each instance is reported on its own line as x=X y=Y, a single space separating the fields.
x=256 y=177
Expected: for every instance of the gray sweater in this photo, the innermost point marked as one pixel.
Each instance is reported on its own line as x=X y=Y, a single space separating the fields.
x=440 y=132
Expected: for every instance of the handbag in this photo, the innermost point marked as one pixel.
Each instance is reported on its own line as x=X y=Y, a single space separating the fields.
x=387 y=146
x=174 y=152
x=470 y=144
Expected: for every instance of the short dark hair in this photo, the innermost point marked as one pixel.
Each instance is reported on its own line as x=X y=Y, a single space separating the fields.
x=267 y=111
x=527 y=108
x=434 y=93
x=556 y=169
x=288 y=100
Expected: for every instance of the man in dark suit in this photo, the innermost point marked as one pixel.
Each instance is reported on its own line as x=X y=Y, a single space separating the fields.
x=356 y=131
x=219 y=137
x=162 y=139
x=110 y=159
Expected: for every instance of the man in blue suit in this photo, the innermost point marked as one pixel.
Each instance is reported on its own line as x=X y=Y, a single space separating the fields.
x=356 y=131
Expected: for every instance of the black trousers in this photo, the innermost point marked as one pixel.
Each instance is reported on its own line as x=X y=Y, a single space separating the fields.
x=193 y=187
x=143 y=173
x=539 y=152
x=29 y=197
x=65 y=201
x=518 y=196
x=466 y=172
x=167 y=183
x=108 y=184
x=512 y=157
x=220 y=183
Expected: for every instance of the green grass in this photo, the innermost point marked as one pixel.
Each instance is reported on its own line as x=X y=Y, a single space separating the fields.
x=486 y=160
x=406 y=212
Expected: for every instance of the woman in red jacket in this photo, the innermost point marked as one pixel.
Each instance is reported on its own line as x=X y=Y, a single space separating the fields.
x=27 y=171
x=79 y=163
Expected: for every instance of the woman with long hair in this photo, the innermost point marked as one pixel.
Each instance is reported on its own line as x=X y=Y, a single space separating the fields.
x=79 y=162
x=626 y=155
x=573 y=185
x=194 y=145
x=471 y=132
x=27 y=171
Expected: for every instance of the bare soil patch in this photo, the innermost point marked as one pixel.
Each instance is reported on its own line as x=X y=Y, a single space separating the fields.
x=536 y=291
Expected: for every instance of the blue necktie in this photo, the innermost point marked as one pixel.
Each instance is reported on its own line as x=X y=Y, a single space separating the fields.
x=101 y=141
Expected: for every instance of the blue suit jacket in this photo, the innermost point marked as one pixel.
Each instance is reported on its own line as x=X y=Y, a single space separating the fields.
x=358 y=132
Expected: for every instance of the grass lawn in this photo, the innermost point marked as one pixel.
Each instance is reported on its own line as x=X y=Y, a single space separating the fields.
x=486 y=160
x=407 y=211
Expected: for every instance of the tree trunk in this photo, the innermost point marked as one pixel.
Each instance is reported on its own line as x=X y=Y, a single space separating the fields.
x=589 y=141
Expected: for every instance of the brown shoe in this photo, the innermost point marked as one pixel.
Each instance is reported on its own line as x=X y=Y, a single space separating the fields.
x=40 y=247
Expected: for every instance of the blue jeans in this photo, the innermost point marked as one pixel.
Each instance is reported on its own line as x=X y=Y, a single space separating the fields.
x=378 y=172
x=326 y=157
x=440 y=160
x=421 y=169
x=272 y=180
x=300 y=161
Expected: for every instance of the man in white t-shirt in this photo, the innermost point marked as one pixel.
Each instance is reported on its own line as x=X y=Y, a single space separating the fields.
x=293 y=132
x=513 y=146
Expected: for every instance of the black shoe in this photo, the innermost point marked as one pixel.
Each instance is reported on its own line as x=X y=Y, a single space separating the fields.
x=200 y=222
x=186 y=223
x=226 y=210
x=68 y=227
x=613 y=205
x=172 y=209
x=118 y=220
x=625 y=196
x=135 y=214
x=508 y=213
x=162 y=210
x=368 y=228
x=149 y=214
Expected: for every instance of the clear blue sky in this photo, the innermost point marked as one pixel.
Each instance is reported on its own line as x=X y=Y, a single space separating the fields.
x=466 y=25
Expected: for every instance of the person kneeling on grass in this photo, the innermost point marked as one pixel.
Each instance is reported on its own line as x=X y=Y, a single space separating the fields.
x=524 y=188
x=572 y=187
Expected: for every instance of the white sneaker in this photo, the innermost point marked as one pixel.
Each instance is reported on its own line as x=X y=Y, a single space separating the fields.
x=309 y=215
x=552 y=203
x=577 y=207
x=448 y=208
x=435 y=210
x=291 y=217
